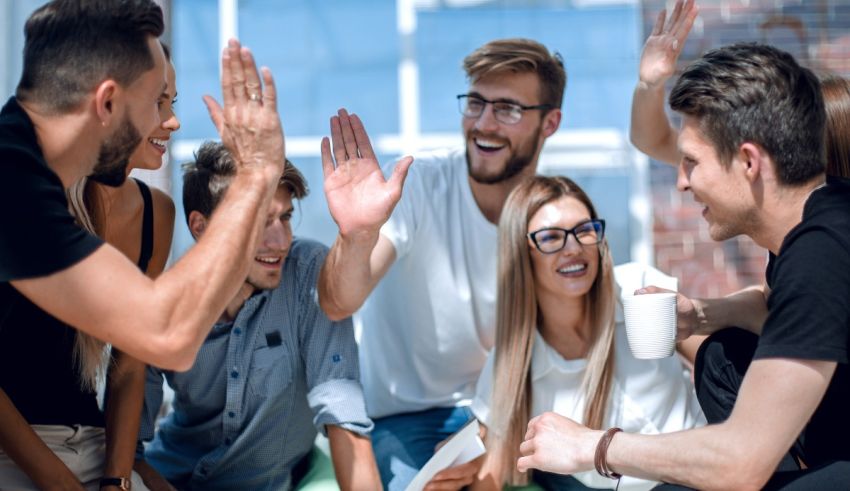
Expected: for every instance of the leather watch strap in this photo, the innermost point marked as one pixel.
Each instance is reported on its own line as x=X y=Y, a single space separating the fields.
x=119 y=482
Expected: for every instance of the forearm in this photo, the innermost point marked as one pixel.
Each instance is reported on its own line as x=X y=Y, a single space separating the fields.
x=199 y=286
x=746 y=309
x=353 y=267
x=29 y=452
x=346 y=278
x=353 y=460
x=125 y=395
x=703 y=458
x=650 y=129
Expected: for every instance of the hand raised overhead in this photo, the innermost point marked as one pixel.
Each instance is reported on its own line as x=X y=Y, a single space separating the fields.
x=359 y=198
x=664 y=45
x=248 y=124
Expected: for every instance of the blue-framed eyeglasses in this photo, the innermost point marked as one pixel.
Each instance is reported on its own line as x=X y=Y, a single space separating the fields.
x=472 y=106
x=550 y=240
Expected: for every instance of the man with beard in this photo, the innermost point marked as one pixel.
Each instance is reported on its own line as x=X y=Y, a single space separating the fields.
x=429 y=323
x=93 y=74
x=273 y=371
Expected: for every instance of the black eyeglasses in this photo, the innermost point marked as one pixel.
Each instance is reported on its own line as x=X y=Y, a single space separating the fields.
x=471 y=106
x=552 y=239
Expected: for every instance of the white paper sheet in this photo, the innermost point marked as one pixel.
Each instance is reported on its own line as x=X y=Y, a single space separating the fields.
x=462 y=447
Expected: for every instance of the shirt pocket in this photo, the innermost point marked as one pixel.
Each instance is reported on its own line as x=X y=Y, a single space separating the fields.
x=271 y=371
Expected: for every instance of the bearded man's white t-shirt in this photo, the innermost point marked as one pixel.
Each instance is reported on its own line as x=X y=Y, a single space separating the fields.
x=427 y=327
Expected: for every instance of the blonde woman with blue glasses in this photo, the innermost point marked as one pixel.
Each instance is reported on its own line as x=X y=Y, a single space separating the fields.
x=560 y=343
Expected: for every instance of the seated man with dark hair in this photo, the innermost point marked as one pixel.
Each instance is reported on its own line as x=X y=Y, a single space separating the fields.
x=776 y=392
x=272 y=373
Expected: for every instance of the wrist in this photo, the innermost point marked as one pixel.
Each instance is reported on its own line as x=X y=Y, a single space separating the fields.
x=700 y=323
x=113 y=482
x=260 y=175
x=353 y=240
x=657 y=86
x=600 y=458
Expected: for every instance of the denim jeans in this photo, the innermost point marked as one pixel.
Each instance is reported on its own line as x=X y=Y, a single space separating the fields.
x=403 y=443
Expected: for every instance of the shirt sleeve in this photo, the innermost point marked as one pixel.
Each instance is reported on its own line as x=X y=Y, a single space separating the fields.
x=330 y=357
x=808 y=309
x=400 y=228
x=39 y=235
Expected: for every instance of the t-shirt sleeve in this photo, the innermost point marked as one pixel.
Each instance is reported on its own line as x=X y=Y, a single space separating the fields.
x=400 y=228
x=38 y=235
x=809 y=311
x=330 y=356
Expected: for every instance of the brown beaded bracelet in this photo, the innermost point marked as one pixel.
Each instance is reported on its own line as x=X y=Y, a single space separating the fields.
x=600 y=458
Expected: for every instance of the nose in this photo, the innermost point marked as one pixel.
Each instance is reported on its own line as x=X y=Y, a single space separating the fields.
x=486 y=122
x=571 y=245
x=278 y=235
x=683 y=182
x=171 y=123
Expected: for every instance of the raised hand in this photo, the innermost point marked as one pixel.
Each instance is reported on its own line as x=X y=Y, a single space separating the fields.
x=359 y=198
x=664 y=45
x=248 y=124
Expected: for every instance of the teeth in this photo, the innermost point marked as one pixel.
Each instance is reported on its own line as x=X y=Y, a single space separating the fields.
x=267 y=260
x=574 y=268
x=157 y=141
x=488 y=143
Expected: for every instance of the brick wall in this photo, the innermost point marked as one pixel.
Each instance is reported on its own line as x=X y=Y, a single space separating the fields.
x=817 y=32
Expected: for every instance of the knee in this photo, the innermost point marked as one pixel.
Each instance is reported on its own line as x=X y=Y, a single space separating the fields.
x=733 y=346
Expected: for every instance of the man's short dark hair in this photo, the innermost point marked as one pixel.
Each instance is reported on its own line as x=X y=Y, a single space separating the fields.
x=756 y=93
x=73 y=45
x=206 y=179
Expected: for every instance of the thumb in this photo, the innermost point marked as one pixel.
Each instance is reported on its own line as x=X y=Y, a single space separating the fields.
x=400 y=172
x=652 y=289
x=216 y=112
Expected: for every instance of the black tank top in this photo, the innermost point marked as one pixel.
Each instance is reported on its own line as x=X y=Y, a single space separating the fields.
x=37 y=369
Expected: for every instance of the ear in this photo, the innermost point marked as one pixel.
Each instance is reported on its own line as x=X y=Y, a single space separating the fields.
x=753 y=161
x=197 y=223
x=551 y=121
x=104 y=98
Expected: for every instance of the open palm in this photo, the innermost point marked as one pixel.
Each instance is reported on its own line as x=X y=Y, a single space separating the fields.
x=359 y=198
x=662 y=48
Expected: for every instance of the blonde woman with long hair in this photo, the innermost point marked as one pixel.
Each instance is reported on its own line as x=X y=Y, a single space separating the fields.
x=73 y=440
x=560 y=344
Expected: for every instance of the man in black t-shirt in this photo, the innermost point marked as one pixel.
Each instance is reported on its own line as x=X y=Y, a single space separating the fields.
x=93 y=74
x=777 y=391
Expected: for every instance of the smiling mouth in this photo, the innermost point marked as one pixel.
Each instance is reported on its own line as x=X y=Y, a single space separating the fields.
x=158 y=143
x=573 y=269
x=488 y=145
x=269 y=261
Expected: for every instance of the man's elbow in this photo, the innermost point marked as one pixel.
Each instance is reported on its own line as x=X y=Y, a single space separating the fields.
x=744 y=472
x=173 y=352
x=334 y=311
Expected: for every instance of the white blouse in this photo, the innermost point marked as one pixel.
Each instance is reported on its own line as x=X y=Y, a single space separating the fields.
x=648 y=396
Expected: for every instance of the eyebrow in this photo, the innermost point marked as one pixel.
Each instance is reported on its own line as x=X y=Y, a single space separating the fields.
x=500 y=99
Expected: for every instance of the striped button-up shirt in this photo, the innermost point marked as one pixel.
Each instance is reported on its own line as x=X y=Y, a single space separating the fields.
x=262 y=386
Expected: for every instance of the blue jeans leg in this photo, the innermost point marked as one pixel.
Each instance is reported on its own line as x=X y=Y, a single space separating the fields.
x=403 y=443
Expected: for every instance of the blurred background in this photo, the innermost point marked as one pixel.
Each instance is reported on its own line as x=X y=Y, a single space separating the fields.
x=397 y=63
